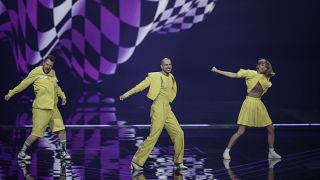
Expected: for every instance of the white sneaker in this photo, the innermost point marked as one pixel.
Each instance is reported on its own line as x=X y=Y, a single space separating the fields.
x=24 y=156
x=273 y=162
x=136 y=173
x=65 y=156
x=180 y=167
x=273 y=155
x=136 y=167
x=226 y=155
x=226 y=163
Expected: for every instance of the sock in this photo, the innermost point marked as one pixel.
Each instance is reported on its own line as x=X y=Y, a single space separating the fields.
x=227 y=150
x=64 y=145
x=271 y=149
x=24 y=147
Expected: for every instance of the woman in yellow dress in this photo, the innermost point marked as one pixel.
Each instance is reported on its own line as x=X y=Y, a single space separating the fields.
x=253 y=113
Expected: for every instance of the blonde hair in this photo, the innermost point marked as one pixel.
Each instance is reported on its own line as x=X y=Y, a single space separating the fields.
x=269 y=72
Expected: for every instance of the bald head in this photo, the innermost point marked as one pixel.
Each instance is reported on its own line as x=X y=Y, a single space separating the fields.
x=166 y=65
x=165 y=60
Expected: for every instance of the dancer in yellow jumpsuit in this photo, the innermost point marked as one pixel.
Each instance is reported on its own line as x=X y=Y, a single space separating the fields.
x=44 y=109
x=162 y=90
x=253 y=113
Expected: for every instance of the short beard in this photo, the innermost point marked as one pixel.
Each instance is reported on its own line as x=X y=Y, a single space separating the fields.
x=46 y=72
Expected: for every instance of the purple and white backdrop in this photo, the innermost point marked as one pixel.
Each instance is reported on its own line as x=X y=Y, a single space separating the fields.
x=92 y=37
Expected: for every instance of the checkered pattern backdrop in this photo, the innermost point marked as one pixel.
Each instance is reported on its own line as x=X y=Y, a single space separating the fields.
x=91 y=36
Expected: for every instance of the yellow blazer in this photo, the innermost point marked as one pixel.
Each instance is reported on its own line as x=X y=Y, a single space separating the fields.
x=154 y=81
x=45 y=86
x=252 y=78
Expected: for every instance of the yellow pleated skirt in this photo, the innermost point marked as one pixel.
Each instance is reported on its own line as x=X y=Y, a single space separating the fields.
x=253 y=113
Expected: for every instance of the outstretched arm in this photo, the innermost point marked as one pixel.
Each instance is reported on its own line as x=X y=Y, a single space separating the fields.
x=22 y=86
x=225 y=73
x=141 y=86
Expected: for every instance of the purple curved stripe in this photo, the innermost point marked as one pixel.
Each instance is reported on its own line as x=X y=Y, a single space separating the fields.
x=97 y=32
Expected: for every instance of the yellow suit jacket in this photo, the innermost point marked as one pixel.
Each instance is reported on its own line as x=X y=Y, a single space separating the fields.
x=45 y=86
x=154 y=81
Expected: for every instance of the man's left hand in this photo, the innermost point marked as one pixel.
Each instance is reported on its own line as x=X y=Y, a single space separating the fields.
x=64 y=102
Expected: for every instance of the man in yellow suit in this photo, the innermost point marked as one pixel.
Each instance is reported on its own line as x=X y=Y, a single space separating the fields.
x=44 y=109
x=162 y=91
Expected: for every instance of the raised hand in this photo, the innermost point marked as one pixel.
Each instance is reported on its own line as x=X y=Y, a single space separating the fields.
x=122 y=97
x=64 y=102
x=7 y=97
x=214 y=69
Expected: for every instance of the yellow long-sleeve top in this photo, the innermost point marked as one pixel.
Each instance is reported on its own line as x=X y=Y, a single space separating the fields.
x=46 y=88
x=154 y=80
x=252 y=78
x=166 y=86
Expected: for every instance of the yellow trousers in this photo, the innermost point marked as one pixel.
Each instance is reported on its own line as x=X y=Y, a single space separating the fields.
x=161 y=117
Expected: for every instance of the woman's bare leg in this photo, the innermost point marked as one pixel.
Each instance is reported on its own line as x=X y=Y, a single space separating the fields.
x=270 y=129
x=234 y=138
x=272 y=154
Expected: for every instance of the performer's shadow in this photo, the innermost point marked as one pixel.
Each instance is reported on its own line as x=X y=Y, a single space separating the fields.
x=138 y=175
x=233 y=176
x=25 y=167
x=58 y=174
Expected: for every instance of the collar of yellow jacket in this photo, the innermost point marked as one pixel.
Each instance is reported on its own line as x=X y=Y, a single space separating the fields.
x=39 y=70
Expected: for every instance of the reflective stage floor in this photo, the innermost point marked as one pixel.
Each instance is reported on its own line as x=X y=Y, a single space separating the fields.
x=106 y=152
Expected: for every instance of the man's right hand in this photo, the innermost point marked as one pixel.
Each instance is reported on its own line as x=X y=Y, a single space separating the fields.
x=122 y=98
x=7 y=97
